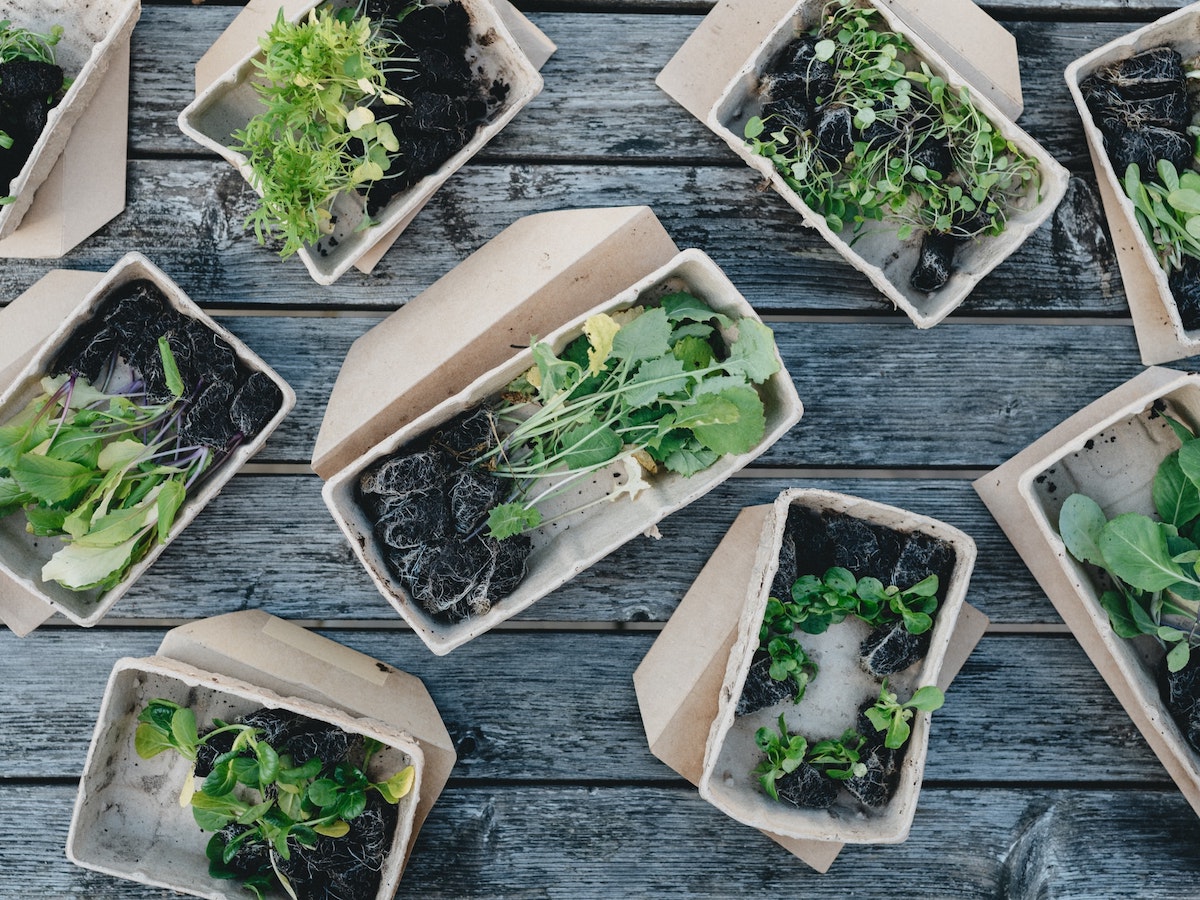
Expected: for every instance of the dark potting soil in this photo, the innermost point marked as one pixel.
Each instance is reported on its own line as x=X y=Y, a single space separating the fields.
x=892 y=648
x=935 y=261
x=225 y=402
x=760 y=689
x=807 y=787
x=1185 y=288
x=29 y=89
x=430 y=508
x=874 y=787
x=345 y=868
x=1180 y=692
x=448 y=102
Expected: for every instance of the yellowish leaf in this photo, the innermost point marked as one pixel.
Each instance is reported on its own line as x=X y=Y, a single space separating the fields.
x=600 y=330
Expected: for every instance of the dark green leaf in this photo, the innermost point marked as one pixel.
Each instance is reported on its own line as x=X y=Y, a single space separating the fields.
x=221 y=780
x=589 y=444
x=656 y=378
x=323 y=792
x=690 y=459
x=1119 y=617
x=683 y=307
x=1189 y=460
x=45 y=521
x=1175 y=495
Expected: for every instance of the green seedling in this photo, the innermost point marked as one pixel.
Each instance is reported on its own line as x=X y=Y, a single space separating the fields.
x=892 y=717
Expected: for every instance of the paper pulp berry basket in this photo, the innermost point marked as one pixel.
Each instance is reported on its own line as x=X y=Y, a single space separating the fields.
x=94 y=34
x=716 y=77
x=228 y=103
x=128 y=821
x=36 y=326
x=561 y=552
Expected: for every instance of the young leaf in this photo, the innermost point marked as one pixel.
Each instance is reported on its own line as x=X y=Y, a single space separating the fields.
x=170 y=497
x=1080 y=523
x=170 y=368
x=398 y=786
x=80 y=567
x=1175 y=495
x=646 y=337
x=183 y=729
x=1178 y=658
x=589 y=445
x=150 y=740
x=510 y=519
x=335 y=829
x=753 y=353
x=50 y=480
x=1136 y=552
x=655 y=378
x=1118 y=615
x=927 y=699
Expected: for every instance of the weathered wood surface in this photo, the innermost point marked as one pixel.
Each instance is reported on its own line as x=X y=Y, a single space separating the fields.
x=1038 y=784
x=563 y=842
x=569 y=711
x=286 y=555
x=876 y=394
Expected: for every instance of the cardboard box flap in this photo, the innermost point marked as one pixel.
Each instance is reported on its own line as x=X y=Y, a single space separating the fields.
x=1002 y=493
x=678 y=682
x=241 y=37
x=537 y=274
x=263 y=650
x=25 y=323
x=973 y=43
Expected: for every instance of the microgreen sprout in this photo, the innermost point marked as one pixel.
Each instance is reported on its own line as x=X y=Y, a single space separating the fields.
x=668 y=386
x=892 y=717
x=818 y=602
x=276 y=804
x=785 y=753
x=1168 y=211
x=1154 y=565
x=900 y=110
x=318 y=137
x=21 y=43
x=789 y=660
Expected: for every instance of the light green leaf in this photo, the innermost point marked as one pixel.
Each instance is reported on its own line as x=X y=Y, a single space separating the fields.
x=170 y=368
x=690 y=459
x=510 y=519
x=120 y=454
x=656 y=378
x=1185 y=200
x=556 y=374
x=1189 y=460
x=684 y=307
x=118 y=526
x=50 y=480
x=1135 y=550
x=753 y=353
x=1079 y=523
x=399 y=785
x=646 y=337
x=927 y=699
x=170 y=497
x=1179 y=656
x=183 y=728
x=149 y=741
x=741 y=435
x=694 y=352
x=706 y=409
x=11 y=494
x=1175 y=495
x=79 y=567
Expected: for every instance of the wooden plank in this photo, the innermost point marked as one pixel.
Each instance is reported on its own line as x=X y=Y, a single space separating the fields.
x=567 y=841
x=568 y=711
x=187 y=216
x=600 y=102
x=877 y=394
x=286 y=555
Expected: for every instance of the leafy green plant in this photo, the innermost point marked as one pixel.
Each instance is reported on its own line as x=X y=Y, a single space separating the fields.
x=789 y=660
x=899 y=106
x=818 y=602
x=1168 y=211
x=785 y=753
x=651 y=387
x=280 y=805
x=21 y=43
x=318 y=138
x=892 y=717
x=1153 y=564
x=103 y=469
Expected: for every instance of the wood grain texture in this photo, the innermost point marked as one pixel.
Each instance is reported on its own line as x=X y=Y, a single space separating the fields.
x=569 y=712
x=287 y=556
x=877 y=394
x=565 y=842
x=187 y=216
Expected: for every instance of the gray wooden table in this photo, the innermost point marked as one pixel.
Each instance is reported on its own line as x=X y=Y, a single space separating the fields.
x=1037 y=784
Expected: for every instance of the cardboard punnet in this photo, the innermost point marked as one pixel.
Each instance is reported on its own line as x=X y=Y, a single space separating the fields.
x=36 y=326
x=564 y=548
x=505 y=45
x=127 y=820
x=682 y=682
x=1160 y=333
x=95 y=38
x=716 y=73
x=1110 y=451
x=539 y=272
